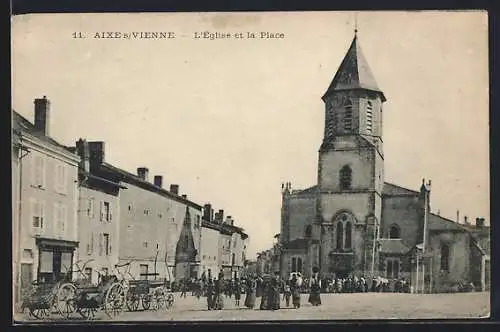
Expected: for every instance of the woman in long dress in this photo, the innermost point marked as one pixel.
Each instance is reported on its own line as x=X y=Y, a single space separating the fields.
x=264 y=301
x=274 y=292
x=210 y=291
x=219 y=300
x=295 y=289
x=250 y=293
x=315 y=286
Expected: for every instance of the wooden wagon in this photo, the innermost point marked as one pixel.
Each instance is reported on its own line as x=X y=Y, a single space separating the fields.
x=149 y=294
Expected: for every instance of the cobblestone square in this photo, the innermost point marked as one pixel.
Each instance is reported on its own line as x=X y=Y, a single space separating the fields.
x=358 y=306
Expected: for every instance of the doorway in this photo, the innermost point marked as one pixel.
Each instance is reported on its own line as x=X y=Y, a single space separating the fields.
x=54 y=265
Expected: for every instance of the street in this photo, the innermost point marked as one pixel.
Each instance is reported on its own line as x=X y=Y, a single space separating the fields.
x=334 y=307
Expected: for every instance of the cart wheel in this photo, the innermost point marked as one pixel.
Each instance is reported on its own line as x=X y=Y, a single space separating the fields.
x=169 y=300
x=87 y=313
x=146 y=301
x=132 y=302
x=161 y=300
x=65 y=300
x=114 y=300
x=39 y=313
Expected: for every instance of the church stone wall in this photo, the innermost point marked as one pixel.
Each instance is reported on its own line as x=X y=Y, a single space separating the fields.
x=357 y=203
x=360 y=162
x=459 y=267
x=302 y=213
x=402 y=211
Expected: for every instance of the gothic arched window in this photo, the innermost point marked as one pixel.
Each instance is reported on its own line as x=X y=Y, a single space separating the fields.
x=343 y=232
x=348 y=115
x=340 y=235
x=348 y=235
x=345 y=177
x=394 y=232
x=445 y=257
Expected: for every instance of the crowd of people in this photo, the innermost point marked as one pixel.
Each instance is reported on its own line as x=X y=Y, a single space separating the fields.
x=268 y=291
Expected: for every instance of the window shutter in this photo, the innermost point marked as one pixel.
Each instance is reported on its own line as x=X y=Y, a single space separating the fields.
x=34 y=214
x=110 y=212
x=110 y=243
x=102 y=210
x=91 y=243
x=41 y=214
x=64 y=178
x=101 y=240
x=63 y=219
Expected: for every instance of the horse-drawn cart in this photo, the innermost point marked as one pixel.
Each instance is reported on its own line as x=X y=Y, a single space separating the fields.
x=149 y=294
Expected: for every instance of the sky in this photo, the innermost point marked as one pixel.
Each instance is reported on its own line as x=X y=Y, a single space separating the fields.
x=230 y=120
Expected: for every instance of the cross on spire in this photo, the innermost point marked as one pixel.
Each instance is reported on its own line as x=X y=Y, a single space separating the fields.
x=355 y=24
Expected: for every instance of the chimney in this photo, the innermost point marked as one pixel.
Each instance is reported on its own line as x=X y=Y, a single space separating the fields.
x=96 y=151
x=221 y=216
x=142 y=172
x=158 y=180
x=479 y=222
x=465 y=220
x=42 y=115
x=458 y=216
x=184 y=196
x=207 y=212
x=82 y=149
x=174 y=189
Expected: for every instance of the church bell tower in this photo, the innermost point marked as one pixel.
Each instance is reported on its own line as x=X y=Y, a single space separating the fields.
x=351 y=168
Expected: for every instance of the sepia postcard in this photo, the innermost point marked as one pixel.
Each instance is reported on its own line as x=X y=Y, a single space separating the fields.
x=250 y=166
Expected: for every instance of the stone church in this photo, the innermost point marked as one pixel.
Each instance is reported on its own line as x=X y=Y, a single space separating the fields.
x=353 y=222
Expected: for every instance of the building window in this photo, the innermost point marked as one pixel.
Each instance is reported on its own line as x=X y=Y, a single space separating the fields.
x=294 y=264
x=340 y=235
x=90 y=208
x=345 y=177
x=39 y=172
x=107 y=245
x=90 y=244
x=143 y=270
x=445 y=257
x=392 y=269
x=37 y=212
x=369 y=117
x=348 y=235
x=348 y=115
x=61 y=176
x=105 y=212
x=130 y=207
x=233 y=259
x=395 y=232
x=104 y=271
x=145 y=244
x=60 y=218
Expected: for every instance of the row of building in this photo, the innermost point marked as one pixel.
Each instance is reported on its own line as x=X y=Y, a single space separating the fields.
x=72 y=208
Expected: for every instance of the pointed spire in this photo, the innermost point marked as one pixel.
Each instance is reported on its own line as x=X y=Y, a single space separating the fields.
x=354 y=72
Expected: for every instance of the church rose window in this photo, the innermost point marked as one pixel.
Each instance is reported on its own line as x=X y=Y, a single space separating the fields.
x=345 y=177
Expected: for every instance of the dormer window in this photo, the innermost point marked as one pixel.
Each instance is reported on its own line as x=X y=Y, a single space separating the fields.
x=369 y=117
